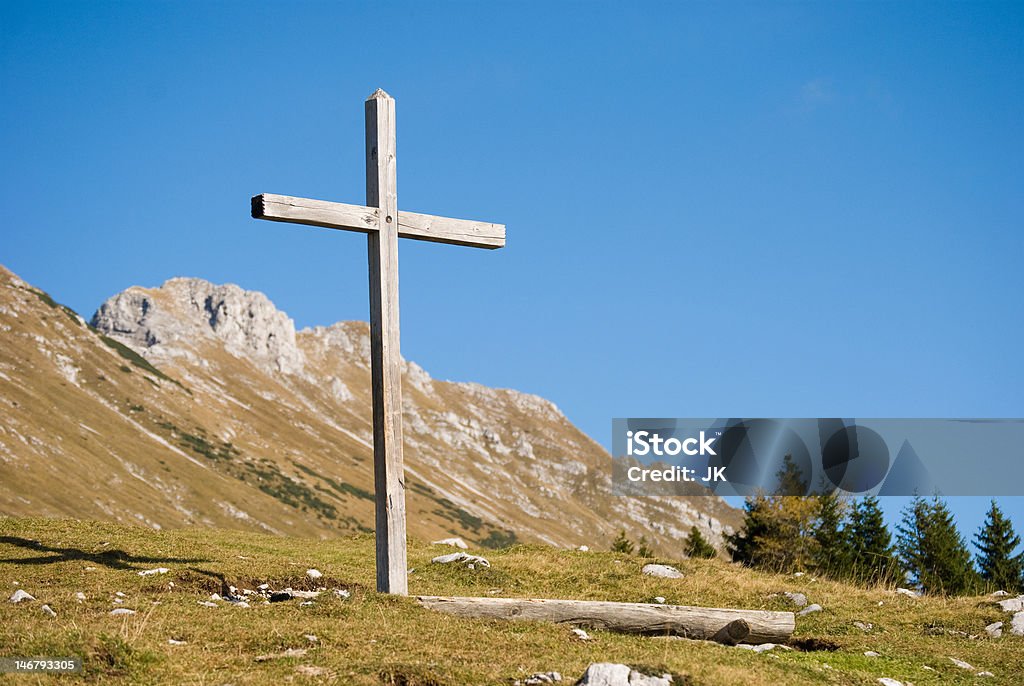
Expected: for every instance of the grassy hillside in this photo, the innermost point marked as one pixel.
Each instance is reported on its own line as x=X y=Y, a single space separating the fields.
x=373 y=639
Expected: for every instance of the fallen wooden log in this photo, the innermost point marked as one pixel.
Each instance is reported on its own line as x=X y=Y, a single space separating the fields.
x=713 y=624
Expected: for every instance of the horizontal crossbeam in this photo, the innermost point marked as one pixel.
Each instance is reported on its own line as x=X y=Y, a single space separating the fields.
x=337 y=215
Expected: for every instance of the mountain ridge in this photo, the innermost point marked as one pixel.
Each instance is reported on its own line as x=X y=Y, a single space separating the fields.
x=196 y=403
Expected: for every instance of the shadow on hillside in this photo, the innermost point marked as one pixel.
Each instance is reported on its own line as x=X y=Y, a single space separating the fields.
x=115 y=559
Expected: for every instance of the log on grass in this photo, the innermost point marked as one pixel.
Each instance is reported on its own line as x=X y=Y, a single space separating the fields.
x=713 y=624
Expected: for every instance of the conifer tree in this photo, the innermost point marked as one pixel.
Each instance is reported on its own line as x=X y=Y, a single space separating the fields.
x=698 y=546
x=869 y=542
x=643 y=548
x=996 y=542
x=933 y=551
x=622 y=544
x=831 y=555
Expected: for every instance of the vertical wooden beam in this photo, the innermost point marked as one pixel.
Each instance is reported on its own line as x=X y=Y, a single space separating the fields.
x=385 y=357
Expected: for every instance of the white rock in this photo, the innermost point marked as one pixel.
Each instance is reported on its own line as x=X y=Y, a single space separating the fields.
x=928 y=668
x=984 y=674
x=539 y=678
x=118 y=601
x=455 y=542
x=151 y=572
x=215 y=596
x=119 y=594
x=999 y=594
x=461 y=557
x=122 y=611
x=342 y=593
x=303 y=594
x=660 y=600
x=864 y=626
x=311 y=638
x=241 y=603
x=1012 y=604
x=907 y=592
x=662 y=571
x=176 y=642
x=1017 y=624
x=47 y=610
x=961 y=664
x=798 y=599
x=871 y=653
x=306 y=603
x=19 y=596
x=581 y=634
x=314 y=574
x=80 y=597
x=263 y=587
x=610 y=674
x=809 y=609
x=583 y=549
x=886 y=681
x=798 y=574
x=994 y=630
x=206 y=603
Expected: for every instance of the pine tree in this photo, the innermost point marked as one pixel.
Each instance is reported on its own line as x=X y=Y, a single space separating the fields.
x=643 y=549
x=776 y=531
x=996 y=542
x=933 y=551
x=831 y=555
x=869 y=542
x=622 y=544
x=697 y=546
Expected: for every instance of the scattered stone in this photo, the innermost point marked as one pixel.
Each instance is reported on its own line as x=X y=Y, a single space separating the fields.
x=886 y=681
x=930 y=669
x=263 y=587
x=119 y=594
x=306 y=603
x=907 y=592
x=581 y=634
x=661 y=571
x=994 y=630
x=611 y=674
x=539 y=678
x=984 y=674
x=871 y=653
x=314 y=574
x=762 y=647
x=312 y=670
x=999 y=594
x=1017 y=624
x=660 y=600
x=455 y=542
x=241 y=603
x=151 y=572
x=810 y=609
x=864 y=626
x=1012 y=605
x=798 y=574
x=19 y=596
x=311 y=638
x=342 y=593
x=122 y=611
x=461 y=557
x=80 y=597
x=798 y=599
x=215 y=596
x=176 y=642
x=118 y=601
x=206 y=603
x=582 y=549
x=47 y=610
x=291 y=652
x=961 y=664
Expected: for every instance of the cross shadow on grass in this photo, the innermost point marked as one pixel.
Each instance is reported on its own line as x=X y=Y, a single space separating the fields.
x=115 y=559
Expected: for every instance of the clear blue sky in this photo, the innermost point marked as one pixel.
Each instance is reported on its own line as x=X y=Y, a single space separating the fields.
x=713 y=209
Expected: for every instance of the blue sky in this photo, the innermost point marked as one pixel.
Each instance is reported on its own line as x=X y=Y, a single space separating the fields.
x=713 y=209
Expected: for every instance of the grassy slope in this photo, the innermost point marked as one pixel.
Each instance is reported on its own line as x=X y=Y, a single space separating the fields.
x=373 y=639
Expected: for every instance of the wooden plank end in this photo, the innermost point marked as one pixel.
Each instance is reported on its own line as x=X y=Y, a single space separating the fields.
x=258 y=207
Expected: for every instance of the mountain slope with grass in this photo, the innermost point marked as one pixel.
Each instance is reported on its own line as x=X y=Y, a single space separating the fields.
x=198 y=404
x=368 y=638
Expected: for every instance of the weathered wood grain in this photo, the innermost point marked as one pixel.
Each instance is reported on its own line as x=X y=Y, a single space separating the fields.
x=725 y=625
x=338 y=215
x=385 y=356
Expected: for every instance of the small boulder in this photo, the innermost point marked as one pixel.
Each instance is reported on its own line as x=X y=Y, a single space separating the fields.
x=581 y=634
x=454 y=542
x=1017 y=624
x=48 y=611
x=19 y=596
x=461 y=557
x=80 y=597
x=908 y=593
x=1012 y=604
x=994 y=630
x=810 y=609
x=798 y=599
x=961 y=664
x=539 y=678
x=584 y=549
x=611 y=674
x=999 y=594
x=866 y=627
x=314 y=574
x=984 y=674
x=886 y=681
x=660 y=600
x=871 y=653
x=661 y=571
x=122 y=611
x=151 y=572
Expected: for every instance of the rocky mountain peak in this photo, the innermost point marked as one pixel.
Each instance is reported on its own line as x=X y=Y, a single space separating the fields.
x=173 y=315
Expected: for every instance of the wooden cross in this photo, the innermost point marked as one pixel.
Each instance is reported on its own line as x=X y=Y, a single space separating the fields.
x=383 y=224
